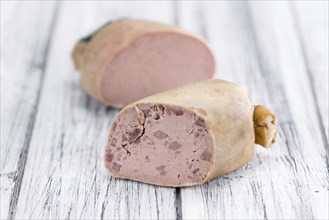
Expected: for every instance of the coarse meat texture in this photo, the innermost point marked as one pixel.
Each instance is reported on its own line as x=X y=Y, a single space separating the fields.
x=160 y=144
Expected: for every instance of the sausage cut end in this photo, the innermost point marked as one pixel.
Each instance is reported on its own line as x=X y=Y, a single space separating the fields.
x=155 y=62
x=160 y=144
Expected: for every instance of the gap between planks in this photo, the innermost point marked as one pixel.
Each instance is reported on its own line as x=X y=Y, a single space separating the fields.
x=26 y=145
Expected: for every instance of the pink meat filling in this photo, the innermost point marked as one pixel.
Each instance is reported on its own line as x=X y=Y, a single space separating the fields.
x=159 y=144
x=154 y=63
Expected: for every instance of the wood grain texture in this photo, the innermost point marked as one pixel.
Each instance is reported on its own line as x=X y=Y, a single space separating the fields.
x=24 y=47
x=311 y=23
x=64 y=175
x=257 y=47
x=285 y=61
x=53 y=134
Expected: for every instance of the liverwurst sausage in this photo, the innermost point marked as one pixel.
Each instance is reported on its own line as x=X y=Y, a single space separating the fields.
x=188 y=135
x=127 y=60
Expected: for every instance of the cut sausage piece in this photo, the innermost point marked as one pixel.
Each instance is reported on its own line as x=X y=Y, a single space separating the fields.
x=187 y=136
x=128 y=59
x=161 y=144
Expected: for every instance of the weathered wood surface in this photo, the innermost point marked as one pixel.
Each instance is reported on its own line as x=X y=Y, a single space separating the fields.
x=310 y=21
x=261 y=51
x=24 y=47
x=53 y=134
x=70 y=133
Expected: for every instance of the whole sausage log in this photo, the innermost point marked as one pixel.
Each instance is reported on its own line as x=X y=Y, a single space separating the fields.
x=188 y=135
x=127 y=60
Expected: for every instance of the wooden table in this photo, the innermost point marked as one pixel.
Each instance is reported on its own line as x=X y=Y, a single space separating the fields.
x=53 y=134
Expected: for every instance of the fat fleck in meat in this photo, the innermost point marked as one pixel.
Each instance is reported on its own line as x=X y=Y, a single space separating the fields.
x=174 y=145
x=160 y=134
x=134 y=133
x=178 y=112
x=116 y=166
x=114 y=141
x=200 y=122
x=195 y=171
x=160 y=167
x=109 y=156
x=206 y=155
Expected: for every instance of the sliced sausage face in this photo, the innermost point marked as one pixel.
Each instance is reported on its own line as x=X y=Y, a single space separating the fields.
x=155 y=62
x=160 y=144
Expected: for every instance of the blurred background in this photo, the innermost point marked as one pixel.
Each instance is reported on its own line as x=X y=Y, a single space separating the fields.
x=53 y=133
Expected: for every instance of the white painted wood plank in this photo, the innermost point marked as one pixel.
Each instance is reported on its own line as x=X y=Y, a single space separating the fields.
x=284 y=59
x=312 y=24
x=24 y=38
x=262 y=54
x=65 y=176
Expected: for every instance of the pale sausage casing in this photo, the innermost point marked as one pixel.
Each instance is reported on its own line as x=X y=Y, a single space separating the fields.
x=188 y=135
